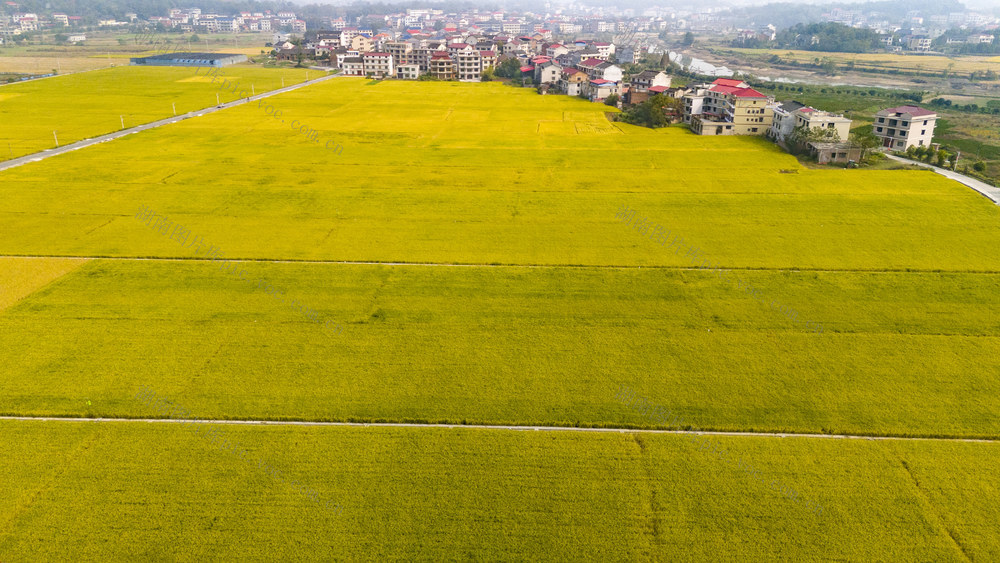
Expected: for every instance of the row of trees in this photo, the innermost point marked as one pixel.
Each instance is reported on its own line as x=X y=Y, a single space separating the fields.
x=827 y=36
x=931 y=155
x=992 y=107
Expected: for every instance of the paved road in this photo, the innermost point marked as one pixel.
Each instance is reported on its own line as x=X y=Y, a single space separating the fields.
x=991 y=192
x=35 y=157
x=491 y=427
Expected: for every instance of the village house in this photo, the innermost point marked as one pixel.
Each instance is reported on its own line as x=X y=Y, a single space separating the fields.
x=728 y=107
x=379 y=65
x=572 y=80
x=905 y=126
x=792 y=114
x=596 y=68
x=649 y=78
x=441 y=66
x=353 y=66
x=548 y=72
x=598 y=89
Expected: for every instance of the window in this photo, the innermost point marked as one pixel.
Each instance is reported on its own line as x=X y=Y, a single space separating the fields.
x=905 y=123
x=881 y=120
x=925 y=122
x=830 y=125
x=879 y=129
x=920 y=143
x=753 y=129
x=923 y=131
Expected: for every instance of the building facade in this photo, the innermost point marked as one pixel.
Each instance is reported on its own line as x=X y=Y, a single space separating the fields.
x=905 y=126
x=729 y=107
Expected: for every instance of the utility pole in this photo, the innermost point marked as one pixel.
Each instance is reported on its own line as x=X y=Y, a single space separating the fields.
x=123 y=120
x=217 y=102
x=174 y=105
x=252 y=91
x=53 y=136
x=282 y=81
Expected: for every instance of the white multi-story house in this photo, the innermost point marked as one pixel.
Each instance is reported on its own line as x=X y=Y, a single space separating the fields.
x=789 y=115
x=408 y=71
x=548 y=72
x=604 y=50
x=784 y=121
x=905 y=126
x=378 y=65
x=353 y=66
x=646 y=79
x=919 y=43
x=598 y=69
x=468 y=63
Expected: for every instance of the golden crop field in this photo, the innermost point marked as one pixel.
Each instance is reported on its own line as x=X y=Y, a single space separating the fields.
x=104 y=50
x=887 y=61
x=469 y=241
x=85 y=105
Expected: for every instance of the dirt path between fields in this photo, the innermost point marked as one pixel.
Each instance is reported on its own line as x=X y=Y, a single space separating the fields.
x=495 y=427
x=467 y=265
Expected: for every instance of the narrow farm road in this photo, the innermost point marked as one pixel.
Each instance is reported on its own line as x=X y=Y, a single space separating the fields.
x=493 y=265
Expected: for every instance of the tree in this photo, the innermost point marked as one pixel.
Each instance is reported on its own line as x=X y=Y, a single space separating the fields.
x=865 y=141
x=488 y=74
x=60 y=38
x=803 y=135
x=688 y=39
x=509 y=68
x=979 y=166
x=651 y=113
x=612 y=100
x=194 y=39
x=942 y=156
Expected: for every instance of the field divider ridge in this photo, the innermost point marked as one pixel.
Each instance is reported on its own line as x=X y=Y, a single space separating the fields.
x=510 y=427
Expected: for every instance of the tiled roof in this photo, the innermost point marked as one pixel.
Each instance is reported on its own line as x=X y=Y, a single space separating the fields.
x=728 y=82
x=912 y=110
x=738 y=92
